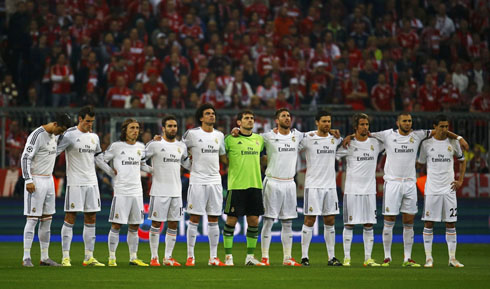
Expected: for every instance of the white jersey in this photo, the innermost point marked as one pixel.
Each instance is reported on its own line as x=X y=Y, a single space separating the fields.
x=80 y=149
x=438 y=154
x=282 y=153
x=401 y=152
x=205 y=148
x=166 y=159
x=39 y=154
x=361 y=157
x=126 y=160
x=320 y=160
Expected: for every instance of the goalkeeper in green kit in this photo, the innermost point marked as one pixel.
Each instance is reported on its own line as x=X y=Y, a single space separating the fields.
x=244 y=186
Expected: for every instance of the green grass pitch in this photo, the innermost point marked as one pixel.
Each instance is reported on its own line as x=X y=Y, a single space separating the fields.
x=476 y=273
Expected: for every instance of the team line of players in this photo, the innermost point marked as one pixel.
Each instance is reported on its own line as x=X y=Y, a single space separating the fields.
x=272 y=198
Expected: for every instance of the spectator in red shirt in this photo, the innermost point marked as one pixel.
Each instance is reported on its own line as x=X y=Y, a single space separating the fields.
x=481 y=102
x=282 y=23
x=190 y=29
x=450 y=96
x=382 y=96
x=116 y=96
x=61 y=78
x=154 y=87
x=214 y=96
x=428 y=96
x=408 y=38
x=355 y=91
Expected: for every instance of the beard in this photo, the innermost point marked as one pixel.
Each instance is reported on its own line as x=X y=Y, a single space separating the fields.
x=284 y=126
x=170 y=136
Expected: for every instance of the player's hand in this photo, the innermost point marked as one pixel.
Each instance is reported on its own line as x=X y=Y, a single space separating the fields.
x=464 y=145
x=346 y=141
x=335 y=133
x=157 y=137
x=456 y=185
x=235 y=131
x=31 y=188
x=115 y=172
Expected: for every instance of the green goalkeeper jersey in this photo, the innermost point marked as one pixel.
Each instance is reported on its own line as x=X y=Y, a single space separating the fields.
x=244 y=161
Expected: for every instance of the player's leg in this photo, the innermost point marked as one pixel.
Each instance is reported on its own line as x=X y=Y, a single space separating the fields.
x=214 y=209
x=174 y=214
x=228 y=233
x=272 y=200
x=32 y=203
x=330 y=209
x=66 y=236
x=368 y=219
x=450 y=216
x=135 y=219
x=44 y=229
x=113 y=242
x=29 y=230
x=196 y=202
x=252 y=237
x=409 y=209
x=428 y=236
x=154 y=242
x=91 y=205
x=348 y=232
x=389 y=223
x=117 y=217
x=287 y=213
x=306 y=236
x=392 y=198
x=191 y=238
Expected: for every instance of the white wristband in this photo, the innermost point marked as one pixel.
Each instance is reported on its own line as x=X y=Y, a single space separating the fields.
x=459 y=137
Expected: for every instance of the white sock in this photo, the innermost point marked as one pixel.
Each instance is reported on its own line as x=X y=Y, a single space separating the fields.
x=287 y=238
x=388 y=238
x=428 y=236
x=329 y=235
x=265 y=241
x=368 y=238
x=154 y=241
x=170 y=239
x=347 y=239
x=89 y=240
x=451 y=241
x=407 y=241
x=66 y=237
x=191 y=239
x=113 y=241
x=306 y=235
x=133 y=241
x=29 y=236
x=213 y=235
x=44 y=233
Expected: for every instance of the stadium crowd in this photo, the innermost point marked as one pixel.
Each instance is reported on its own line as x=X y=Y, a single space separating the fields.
x=390 y=55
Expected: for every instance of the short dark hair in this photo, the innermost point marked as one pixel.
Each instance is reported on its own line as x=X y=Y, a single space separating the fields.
x=167 y=118
x=200 y=111
x=86 y=110
x=439 y=118
x=322 y=113
x=240 y=115
x=403 y=113
x=279 y=111
x=63 y=120
x=357 y=117
x=124 y=128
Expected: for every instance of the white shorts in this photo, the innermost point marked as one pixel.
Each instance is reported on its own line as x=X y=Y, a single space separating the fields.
x=359 y=209
x=280 y=200
x=399 y=197
x=82 y=199
x=43 y=200
x=441 y=208
x=164 y=209
x=127 y=210
x=205 y=200
x=320 y=202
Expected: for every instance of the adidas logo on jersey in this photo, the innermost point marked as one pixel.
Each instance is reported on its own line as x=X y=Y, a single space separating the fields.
x=239 y=142
x=162 y=150
x=78 y=140
x=200 y=140
x=432 y=149
x=315 y=142
x=123 y=153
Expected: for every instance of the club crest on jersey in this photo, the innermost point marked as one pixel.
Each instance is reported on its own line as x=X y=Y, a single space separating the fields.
x=256 y=142
x=178 y=149
x=92 y=140
x=449 y=149
x=232 y=209
x=412 y=140
x=332 y=141
x=293 y=139
x=72 y=205
x=372 y=147
x=216 y=140
x=138 y=152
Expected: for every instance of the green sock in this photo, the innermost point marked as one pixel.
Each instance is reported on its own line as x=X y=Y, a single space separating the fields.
x=252 y=236
x=228 y=238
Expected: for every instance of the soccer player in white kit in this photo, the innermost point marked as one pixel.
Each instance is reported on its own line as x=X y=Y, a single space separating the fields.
x=166 y=155
x=320 y=197
x=279 y=187
x=127 y=204
x=205 y=194
x=37 y=164
x=360 y=188
x=82 y=191
x=440 y=203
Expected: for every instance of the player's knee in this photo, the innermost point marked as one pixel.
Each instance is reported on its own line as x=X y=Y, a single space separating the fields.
x=368 y=225
x=231 y=221
x=429 y=225
x=309 y=221
x=451 y=225
x=70 y=218
x=390 y=218
x=213 y=219
x=172 y=225
x=195 y=219
x=253 y=221
x=116 y=226
x=329 y=220
x=89 y=218
x=156 y=224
